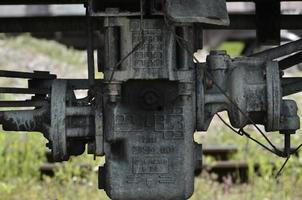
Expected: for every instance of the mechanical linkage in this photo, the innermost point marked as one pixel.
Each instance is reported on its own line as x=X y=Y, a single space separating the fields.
x=143 y=114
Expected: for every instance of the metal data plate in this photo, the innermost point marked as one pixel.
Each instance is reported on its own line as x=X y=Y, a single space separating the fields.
x=199 y=11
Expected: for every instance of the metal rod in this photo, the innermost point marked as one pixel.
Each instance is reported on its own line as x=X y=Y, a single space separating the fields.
x=23 y=90
x=35 y=75
x=280 y=51
x=291 y=85
x=76 y=84
x=290 y=61
x=22 y=103
x=287 y=144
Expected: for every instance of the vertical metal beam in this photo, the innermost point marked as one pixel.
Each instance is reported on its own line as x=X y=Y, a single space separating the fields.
x=90 y=49
x=268 y=19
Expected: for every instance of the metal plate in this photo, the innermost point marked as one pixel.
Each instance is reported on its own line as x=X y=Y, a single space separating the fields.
x=200 y=11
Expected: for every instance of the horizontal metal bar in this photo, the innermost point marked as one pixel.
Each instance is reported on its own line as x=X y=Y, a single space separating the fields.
x=7 y=90
x=79 y=111
x=79 y=23
x=76 y=84
x=79 y=132
x=47 y=24
x=27 y=75
x=40 y=2
x=291 y=85
x=22 y=103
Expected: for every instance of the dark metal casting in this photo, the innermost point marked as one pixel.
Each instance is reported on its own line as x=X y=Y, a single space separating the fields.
x=143 y=114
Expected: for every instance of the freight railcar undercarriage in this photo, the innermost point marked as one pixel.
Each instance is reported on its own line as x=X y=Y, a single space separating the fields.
x=155 y=93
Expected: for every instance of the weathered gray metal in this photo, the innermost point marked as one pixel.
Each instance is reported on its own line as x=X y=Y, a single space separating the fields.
x=143 y=114
x=206 y=11
x=252 y=84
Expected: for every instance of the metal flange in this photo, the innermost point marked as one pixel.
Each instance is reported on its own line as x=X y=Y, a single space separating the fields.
x=58 y=135
x=274 y=96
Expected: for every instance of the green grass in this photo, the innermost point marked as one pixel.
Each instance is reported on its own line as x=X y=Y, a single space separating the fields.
x=48 y=48
x=22 y=155
x=233 y=48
